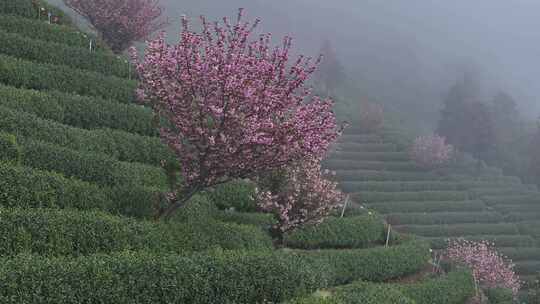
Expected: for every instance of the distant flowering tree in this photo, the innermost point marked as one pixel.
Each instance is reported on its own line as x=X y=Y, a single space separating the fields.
x=298 y=195
x=121 y=22
x=233 y=107
x=490 y=269
x=431 y=151
x=371 y=117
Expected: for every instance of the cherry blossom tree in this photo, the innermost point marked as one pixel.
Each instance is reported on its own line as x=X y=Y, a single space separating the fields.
x=490 y=269
x=431 y=151
x=299 y=194
x=234 y=106
x=121 y=22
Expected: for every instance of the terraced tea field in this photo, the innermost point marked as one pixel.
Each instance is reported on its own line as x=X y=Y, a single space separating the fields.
x=81 y=177
x=459 y=201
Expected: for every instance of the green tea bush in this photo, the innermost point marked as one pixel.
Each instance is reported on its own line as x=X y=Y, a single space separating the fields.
x=140 y=277
x=67 y=232
x=527 y=267
x=508 y=209
x=61 y=54
x=238 y=195
x=520 y=253
x=499 y=240
x=358 y=293
x=443 y=218
x=402 y=186
x=118 y=144
x=347 y=232
x=454 y=288
x=460 y=229
x=31 y=75
x=31 y=101
x=376 y=156
x=10 y=151
x=80 y=111
x=252 y=218
x=39 y=30
x=339 y=164
x=22 y=8
x=26 y=9
x=367 y=147
x=28 y=188
x=362 y=138
x=90 y=167
x=375 y=264
x=429 y=206
x=512 y=199
x=373 y=175
x=500 y=296
x=374 y=197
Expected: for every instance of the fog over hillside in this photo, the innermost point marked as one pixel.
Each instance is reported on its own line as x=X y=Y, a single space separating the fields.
x=407 y=53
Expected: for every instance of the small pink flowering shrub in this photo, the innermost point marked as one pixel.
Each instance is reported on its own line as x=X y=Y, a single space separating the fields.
x=301 y=194
x=371 y=117
x=121 y=22
x=431 y=151
x=490 y=269
x=234 y=106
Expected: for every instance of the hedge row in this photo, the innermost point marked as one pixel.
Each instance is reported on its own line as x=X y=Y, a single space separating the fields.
x=28 y=188
x=361 y=138
x=338 y=164
x=138 y=277
x=526 y=215
x=429 y=206
x=24 y=187
x=501 y=191
x=375 y=264
x=377 y=156
x=509 y=209
x=443 y=218
x=530 y=228
x=118 y=144
x=533 y=199
x=257 y=219
x=39 y=30
x=402 y=186
x=27 y=74
x=375 y=197
x=499 y=240
x=90 y=167
x=64 y=232
x=347 y=232
x=460 y=229
x=25 y=8
x=79 y=111
x=236 y=195
x=500 y=296
x=528 y=267
x=367 y=147
x=10 y=151
x=373 y=175
x=61 y=54
x=520 y=253
x=454 y=288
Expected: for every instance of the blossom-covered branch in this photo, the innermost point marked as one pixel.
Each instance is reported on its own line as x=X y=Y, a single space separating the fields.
x=234 y=106
x=301 y=194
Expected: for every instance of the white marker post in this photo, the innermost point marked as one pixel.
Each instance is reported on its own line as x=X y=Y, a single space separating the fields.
x=345 y=206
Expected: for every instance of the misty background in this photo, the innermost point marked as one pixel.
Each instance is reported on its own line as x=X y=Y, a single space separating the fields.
x=404 y=54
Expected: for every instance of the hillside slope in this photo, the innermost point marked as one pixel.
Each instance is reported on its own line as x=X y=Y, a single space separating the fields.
x=80 y=177
x=461 y=200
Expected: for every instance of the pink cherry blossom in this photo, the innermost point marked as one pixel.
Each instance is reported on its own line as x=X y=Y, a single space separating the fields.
x=306 y=196
x=490 y=269
x=430 y=151
x=121 y=22
x=235 y=105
